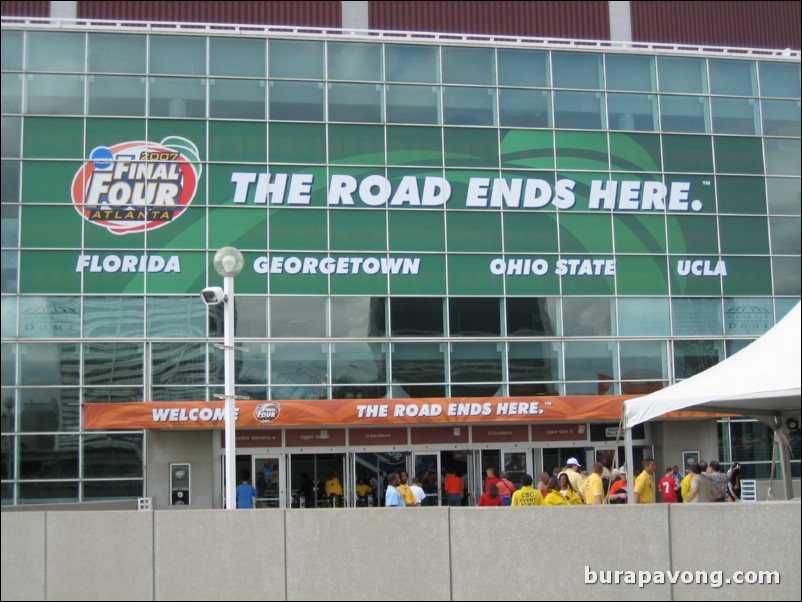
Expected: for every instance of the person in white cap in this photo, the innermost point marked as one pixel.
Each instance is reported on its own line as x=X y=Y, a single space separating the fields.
x=572 y=471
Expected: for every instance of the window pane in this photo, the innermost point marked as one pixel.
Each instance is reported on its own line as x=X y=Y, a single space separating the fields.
x=301 y=101
x=237 y=98
x=56 y=51
x=741 y=194
x=416 y=317
x=524 y=108
x=579 y=110
x=782 y=156
x=180 y=55
x=735 y=116
x=49 y=317
x=413 y=104
x=12 y=93
x=11 y=55
x=358 y=317
x=748 y=316
x=684 y=114
x=742 y=235
x=588 y=316
x=12 y=140
x=785 y=273
x=49 y=410
x=55 y=94
x=523 y=67
x=785 y=235
x=781 y=117
x=48 y=364
x=113 y=317
x=178 y=363
x=107 y=490
x=355 y=102
x=469 y=66
x=405 y=63
x=644 y=361
x=469 y=106
x=636 y=112
x=630 y=72
x=177 y=97
x=736 y=78
x=299 y=363
x=252 y=366
x=472 y=317
x=237 y=57
x=117 y=53
x=535 y=362
x=683 y=75
x=643 y=317
x=359 y=363
x=577 y=70
x=533 y=317
x=250 y=316
x=784 y=195
x=176 y=317
x=476 y=362
x=116 y=95
x=48 y=457
x=298 y=317
x=780 y=79
x=590 y=361
x=694 y=317
x=693 y=357
x=295 y=59
x=355 y=61
x=113 y=456
x=113 y=364
x=418 y=363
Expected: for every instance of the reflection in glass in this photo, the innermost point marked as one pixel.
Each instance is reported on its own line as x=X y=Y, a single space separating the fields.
x=10 y=260
x=693 y=357
x=48 y=456
x=226 y=57
x=358 y=363
x=645 y=364
x=535 y=361
x=49 y=364
x=8 y=324
x=112 y=456
x=9 y=364
x=683 y=75
x=116 y=95
x=11 y=141
x=183 y=317
x=784 y=232
x=299 y=363
x=178 y=363
x=414 y=64
x=781 y=117
x=358 y=317
x=639 y=316
x=577 y=70
x=355 y=102
x=524 y=108
x=782 y=156
x=298 y=393
x=295 y=59
x=735 y=78
x=533 y=316
x=10 y=194
x=177 y=97
x=296 y=101
x=115 y=53
x=745 y=316
x=735 y=116
x=630 y=72
x=476 y=362
x=579 y=110
x=179 y=55
x=250 y=316
x=12 y=93
x=251 y=367
x=463 y=65
x=112 y=394
x=590 y=361
x=693 y=317
x=474 y=317
x=180 y=394
x=588 y=316
x=418 y=362
x=55 y=51
x=785 y=275
x=354 y=61
x=469 y=106
x=298 y=317
x=236 y=98
x=523 y=67
x=632 y=112
x=113 y=364
x=684 y=114
x=110 y=490
x=41 y=493
x=410 y=316
x=54 y=94
x=49 y=410
x=113 y=317
x=49 y=317
x=11 y=55
x=413 y=104
x=780 y=79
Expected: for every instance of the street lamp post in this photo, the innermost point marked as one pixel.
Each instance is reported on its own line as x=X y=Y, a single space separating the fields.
x=228 y=262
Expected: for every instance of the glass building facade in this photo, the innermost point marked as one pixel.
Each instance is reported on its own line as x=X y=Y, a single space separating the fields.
x=418 y=219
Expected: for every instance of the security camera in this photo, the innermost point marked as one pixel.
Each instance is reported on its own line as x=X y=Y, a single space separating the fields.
x=213 y=295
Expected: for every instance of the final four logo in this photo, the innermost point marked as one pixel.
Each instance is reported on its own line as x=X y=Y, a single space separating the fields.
x=137 y=186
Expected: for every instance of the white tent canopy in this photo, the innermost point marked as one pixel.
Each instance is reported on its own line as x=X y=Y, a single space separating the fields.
x=761 y=381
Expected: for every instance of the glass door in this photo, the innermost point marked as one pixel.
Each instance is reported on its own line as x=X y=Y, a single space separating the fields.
x=427 y=470
x=269 y=481
x=516 y=464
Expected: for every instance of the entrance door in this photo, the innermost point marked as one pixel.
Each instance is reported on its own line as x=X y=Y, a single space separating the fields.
x=269 y=482
x=427 y=471
x=515 y=463
x=372 y=468
x=308 y=474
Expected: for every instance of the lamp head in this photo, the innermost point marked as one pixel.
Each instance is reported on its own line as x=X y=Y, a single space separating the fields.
x=228 y=261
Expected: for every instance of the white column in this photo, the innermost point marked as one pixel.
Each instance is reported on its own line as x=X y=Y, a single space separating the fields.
x=620 y=21
x=355 y=15
x=64 y=10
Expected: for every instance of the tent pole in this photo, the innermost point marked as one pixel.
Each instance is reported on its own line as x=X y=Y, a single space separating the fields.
x=785 y=461
x=629 y=457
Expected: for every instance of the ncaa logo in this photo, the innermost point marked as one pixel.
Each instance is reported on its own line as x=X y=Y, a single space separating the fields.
x=137 y=186
x=267 y=412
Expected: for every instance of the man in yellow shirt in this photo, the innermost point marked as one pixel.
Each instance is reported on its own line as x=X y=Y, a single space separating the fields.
x=685 y=485
x=593 y=487
x=644 y=484
x=405 y=491
x=527 y=495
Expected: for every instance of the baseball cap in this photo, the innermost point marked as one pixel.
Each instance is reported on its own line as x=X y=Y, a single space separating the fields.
x=572 y=461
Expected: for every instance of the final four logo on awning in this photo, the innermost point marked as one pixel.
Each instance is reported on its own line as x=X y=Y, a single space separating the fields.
x=137 y=186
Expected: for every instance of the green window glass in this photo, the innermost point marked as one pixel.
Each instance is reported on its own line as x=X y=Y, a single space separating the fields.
x=56 y=51
x=11 y=55
x=637 y=112
x=530 y=232
x=738 y=155
x=414 y=146
x=47 y=181
x=50 y=226
x=354 y=61
x=177 y=97
x=115 y=95
x=355 y=102
x=237 y=141
x=585 y=233
x=682 y=75
x=114 y=317
x=524 y=108
x=692 y=234
x=49 y=317
x=297 y=229
x=474 y=183
x=303 y=143
x=579 y=110
x=747 y=315
x=174 y=317
x=159 y=129
x=12 y=93
x=749 y=276
x=741 y=194
x=575 y=280
x=295 y=59
x=356 y=144
x=523 y=67
x=779 y=79
x=469 y=106
x=12 y=137
x=415 y=64
x=686 y=275
x=193 y=264
x=187 y=233
x=782 y=156
x=630 y=72
x=635 y=152
x=735 y=116
x=237 y=98
x=178 y=55
x=639 y=233
x=362 y=283
x=299 y=101
x=684 y=114
x=53 y=138
x=744 y=235
x=785 y=274
x=692 y=154
x=113 y=282
x=783 y=195
x=416 y=231
x=470 y=275
x=702 y=192
x=357 y=230
x=48 y=272
x=734 y=78
x=527 y=149
x=413 y=104
x=474 y=231
x=117 y=53
x=642 y=275
x=475 y=66
x=430 y=280
x=784 y=235
x=643 y=316
x=577 y=70
x=581 y=150
x=781 y=117
x=470 y=147
x=237 y=57
x=519 y=279
x=55 y=94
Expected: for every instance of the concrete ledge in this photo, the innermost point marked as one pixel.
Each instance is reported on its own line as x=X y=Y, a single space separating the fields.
x=23 y=556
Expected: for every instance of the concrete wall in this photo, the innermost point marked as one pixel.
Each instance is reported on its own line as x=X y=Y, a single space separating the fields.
x=672 y=438
x=429 y=554
x=196 y=448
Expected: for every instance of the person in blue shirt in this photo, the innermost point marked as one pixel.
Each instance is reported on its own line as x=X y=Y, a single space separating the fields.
x=392 y=497
x=246 y=494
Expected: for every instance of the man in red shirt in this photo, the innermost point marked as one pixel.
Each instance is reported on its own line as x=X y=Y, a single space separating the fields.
x=491 y=478
x=453 y=487
x=667 y=487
